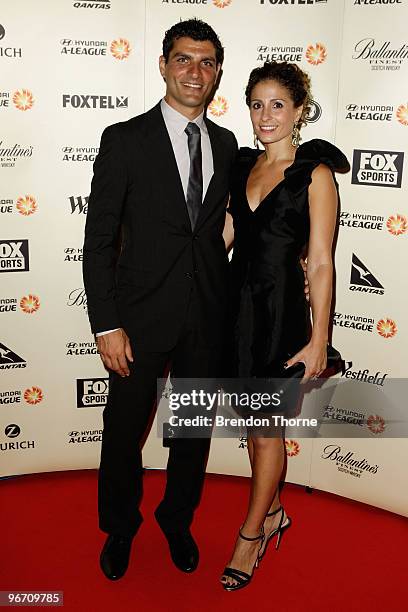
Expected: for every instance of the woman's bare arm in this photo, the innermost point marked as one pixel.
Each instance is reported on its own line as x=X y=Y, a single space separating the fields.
x=323 y=214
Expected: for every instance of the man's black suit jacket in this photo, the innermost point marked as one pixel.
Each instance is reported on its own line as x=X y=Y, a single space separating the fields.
x=141 y=258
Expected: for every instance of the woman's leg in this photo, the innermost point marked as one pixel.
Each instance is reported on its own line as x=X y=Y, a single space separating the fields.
x=250 y=446
x=267 y=465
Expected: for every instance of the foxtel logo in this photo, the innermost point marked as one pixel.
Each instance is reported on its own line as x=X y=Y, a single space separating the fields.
x=94 y=101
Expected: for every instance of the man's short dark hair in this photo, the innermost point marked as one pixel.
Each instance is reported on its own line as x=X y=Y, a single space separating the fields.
x=195 y=29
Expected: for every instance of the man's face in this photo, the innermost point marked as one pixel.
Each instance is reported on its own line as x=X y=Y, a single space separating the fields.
x=190 y=74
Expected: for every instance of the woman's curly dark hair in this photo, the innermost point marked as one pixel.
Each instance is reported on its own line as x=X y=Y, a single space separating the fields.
x=289 y=76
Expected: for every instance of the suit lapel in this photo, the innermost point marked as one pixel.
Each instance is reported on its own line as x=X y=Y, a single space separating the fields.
x=210 y=199
x=166 y=169
x=162 y=155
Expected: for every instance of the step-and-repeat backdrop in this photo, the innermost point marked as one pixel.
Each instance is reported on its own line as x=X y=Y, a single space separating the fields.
x=70 y=68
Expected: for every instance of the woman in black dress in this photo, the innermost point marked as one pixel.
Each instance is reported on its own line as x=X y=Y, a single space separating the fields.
x=283 y=199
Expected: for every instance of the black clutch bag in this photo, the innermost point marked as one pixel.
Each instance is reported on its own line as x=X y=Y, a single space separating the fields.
x=335 y=364
x=287 y=381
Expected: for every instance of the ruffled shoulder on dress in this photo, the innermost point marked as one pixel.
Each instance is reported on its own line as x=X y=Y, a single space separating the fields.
x=308 y=156
x=322 y=151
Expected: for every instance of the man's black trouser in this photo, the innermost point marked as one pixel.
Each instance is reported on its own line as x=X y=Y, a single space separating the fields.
x=126 y=417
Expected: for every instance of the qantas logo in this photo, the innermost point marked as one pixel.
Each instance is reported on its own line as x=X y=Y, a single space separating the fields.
x=362 y=279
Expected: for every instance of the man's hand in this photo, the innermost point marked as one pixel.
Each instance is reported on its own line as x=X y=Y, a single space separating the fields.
x=304 y=268
x=115 y=351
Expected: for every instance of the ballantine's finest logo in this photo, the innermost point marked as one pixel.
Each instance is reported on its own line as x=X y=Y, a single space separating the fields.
x=387 y=328
x=397 y=225
x=23 y=99
x=383 y=57
x=402 y=114
x=316 y=54
x=376 y=424
x=362 y=279
x=94 y=101
x=218 y=106
x=120 y=48
x=364 y=376
x=380 y=168
x=33 y=396
x=369 y=112
x=30 y=303
x=77 y=297
x=292 y=448
x=347 y=462
x=26 y=205
x=10 y=154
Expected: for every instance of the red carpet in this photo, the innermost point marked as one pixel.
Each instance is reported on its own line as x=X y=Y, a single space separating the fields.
x=339 y=555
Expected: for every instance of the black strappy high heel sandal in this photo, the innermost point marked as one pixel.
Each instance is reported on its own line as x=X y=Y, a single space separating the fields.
x=242 y=579
x=279 y=529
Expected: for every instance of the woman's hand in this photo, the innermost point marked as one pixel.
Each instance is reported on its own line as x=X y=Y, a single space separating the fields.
x=314 y=356
x=228 y=232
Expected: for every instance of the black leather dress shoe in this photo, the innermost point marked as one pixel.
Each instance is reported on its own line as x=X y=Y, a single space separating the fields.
x=115 y=554
x=183 y=550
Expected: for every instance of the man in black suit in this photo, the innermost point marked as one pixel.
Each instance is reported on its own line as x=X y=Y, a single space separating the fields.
x=161 y=184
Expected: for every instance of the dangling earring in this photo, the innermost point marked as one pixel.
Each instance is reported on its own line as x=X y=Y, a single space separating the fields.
x=256 y=142
x=295 y=135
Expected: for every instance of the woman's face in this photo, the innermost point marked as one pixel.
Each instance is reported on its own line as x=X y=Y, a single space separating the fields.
x=272 y=112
